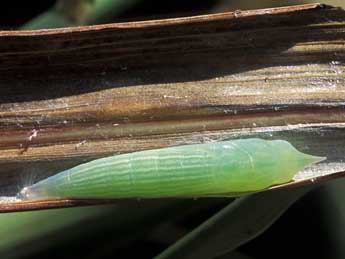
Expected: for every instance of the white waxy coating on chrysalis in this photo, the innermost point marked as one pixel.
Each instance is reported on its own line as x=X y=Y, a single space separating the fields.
x=212 y=169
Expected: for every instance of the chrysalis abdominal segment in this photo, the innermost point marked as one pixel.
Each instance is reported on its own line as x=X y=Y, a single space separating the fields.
x=218 y=168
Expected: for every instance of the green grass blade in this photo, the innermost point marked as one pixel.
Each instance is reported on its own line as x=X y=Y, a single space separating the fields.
x=234 y=225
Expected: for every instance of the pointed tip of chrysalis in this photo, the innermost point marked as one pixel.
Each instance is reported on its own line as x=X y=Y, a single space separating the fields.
x=308 y=160
x=318 y=159
x=295 y=162
x=304 y=159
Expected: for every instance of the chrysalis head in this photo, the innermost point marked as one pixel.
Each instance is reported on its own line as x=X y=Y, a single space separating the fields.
x=29 y=193
x=23 y=194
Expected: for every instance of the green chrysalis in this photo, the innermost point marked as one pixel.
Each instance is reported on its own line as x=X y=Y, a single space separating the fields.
x=212 y=169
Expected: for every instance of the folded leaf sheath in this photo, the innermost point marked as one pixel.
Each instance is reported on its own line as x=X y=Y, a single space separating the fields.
x=216 y=168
